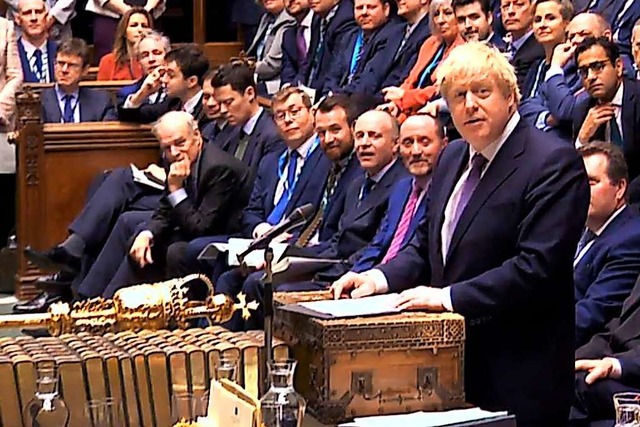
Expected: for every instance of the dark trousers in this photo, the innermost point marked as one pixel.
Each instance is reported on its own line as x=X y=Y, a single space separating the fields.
x=107 y=267
x=104 y=33
x=189 y=263
x=109 y=196
x=8 y=210
x=593 y=404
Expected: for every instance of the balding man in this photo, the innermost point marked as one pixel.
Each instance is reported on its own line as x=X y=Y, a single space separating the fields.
x=37 y=50
x=507 y=205
x=552 y=109
x=205 y=193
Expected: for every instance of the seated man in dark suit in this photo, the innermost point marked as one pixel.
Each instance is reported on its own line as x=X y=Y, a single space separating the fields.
x=367 y=198
x=253 y=134
x=181 y=79
x=296 y=40
x=421 y=139
x=331 y=27
x=475 y=22
x=607 y=262
x=396 y=67
x=206 y=190
x=67 y=102
x=612 y=111
x=522 y=49
x=218 y=122
x=551 y=110
x=353 y=70
x=150 y=51
x=37 y=50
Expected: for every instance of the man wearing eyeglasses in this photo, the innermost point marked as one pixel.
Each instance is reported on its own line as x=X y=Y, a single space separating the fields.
x=67 y=102
x=612 y=110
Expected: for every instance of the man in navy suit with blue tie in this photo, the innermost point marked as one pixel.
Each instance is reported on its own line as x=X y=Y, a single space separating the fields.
x=607 y=262
x=67 y=102
x=507 y=206
x=37 y=50
x=612 y=111
x=354 y=71
x=422 y=138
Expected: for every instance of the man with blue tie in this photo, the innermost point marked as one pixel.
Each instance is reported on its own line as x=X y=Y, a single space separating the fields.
x=355 y=71
x=612 y=111
x=332 y=25
x=67 y=102
x=607 y=261
x=37 y=50
x=58 y=16
x=507 y=206
x=422 y=137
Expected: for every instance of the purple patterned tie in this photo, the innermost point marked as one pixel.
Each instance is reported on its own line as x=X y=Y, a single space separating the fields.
x=478 y=162
x=301 y=43
x=403 y=225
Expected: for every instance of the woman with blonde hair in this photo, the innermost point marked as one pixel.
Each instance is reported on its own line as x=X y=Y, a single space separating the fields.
x=121 y=63
x=419 y=87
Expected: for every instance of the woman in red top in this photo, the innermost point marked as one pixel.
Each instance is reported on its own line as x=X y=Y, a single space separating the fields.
x=419 y=87
x=121 y=63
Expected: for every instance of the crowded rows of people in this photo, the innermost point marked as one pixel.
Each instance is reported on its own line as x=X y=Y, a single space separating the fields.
x=526 y=225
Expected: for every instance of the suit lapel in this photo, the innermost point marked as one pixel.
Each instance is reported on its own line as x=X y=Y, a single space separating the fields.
x=28 y=74
x=84 y=106
x=372 y=199
x=628 y=113
x=306 y=174
x=53 y=106
x=498 y=171
x=262 y=28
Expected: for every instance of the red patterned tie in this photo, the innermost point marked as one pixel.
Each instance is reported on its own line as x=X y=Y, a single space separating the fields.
x=403 y=225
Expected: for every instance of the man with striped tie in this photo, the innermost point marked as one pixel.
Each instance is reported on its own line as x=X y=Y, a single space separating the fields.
x=37 y=50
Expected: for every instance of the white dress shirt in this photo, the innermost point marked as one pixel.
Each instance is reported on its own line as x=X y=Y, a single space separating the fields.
x=30 y=49
x=75 y=103
x=617 y=103
x=191 y=103
x=303 y=152
x=251 y=123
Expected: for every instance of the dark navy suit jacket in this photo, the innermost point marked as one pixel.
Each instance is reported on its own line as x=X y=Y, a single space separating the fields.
x=497 y=41
x=510 y=269
x=605 y=275
x=556 y=97
x=397 y=66
x=621 y=25
x=309 y=188
x=528 y=54
x=265 y=139
x=93 y=105
x=340 y=28
x=291 y=64
x=630 y=123
x=377 y=249
x=29 y=76
x=367 y=77
x=360 y=220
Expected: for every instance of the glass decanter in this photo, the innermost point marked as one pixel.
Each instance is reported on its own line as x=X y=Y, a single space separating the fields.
x=46 y=408
x=282 y=406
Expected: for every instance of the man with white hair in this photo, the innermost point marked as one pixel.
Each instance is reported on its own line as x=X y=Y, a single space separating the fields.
x=506 y=209
x=37 y=49
x=58 y=16
x=205 y=194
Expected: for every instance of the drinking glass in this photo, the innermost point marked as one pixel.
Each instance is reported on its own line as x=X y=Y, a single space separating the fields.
x=105 y=413
x=227 y=368
x=186 y=407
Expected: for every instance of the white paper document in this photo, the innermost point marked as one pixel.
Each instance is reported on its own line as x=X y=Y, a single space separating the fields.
x=236 y=246
x=425 y=419
x=140 y=177
x=378 y=304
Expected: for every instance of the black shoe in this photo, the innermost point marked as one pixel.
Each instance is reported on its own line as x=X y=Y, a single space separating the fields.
x=39 y=304
x=58 y=283
x=37 y=333
x=55 y=259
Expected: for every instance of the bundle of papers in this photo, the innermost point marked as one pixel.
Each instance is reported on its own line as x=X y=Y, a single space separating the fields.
x=426 y=419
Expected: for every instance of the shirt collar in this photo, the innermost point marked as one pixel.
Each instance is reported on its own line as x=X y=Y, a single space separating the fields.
x=331 y=14
x=377 y=177
x=306 y=22
x=491 y=150
x=422 y=181
x=617 y=98
x=517 y=44
x=412 y=27
x=611 y=218
x=61 y=94
x=30 y=48
x=191 y=103
x=303 y=150
x=251 y=123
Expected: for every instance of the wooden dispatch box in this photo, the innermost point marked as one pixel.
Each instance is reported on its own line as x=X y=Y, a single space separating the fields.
x=378 y=365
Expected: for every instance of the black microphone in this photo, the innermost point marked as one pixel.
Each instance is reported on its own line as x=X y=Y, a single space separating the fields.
x=298 y=217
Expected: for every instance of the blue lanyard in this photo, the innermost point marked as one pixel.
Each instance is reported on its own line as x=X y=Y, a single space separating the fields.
x=428 y=70
x=357 y=52
x=282 y=162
